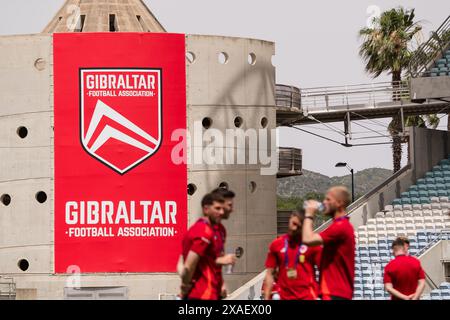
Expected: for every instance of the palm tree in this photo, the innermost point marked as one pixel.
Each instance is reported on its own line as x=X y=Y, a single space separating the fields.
x=386 y=47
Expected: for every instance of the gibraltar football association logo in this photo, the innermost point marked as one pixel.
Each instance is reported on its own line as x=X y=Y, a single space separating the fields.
x=121 y=115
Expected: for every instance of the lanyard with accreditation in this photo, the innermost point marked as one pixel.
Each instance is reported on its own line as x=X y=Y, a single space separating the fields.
x=299 y=257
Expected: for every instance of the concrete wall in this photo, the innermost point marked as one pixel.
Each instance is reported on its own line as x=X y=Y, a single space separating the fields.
x=223 y=92
x=432 y=263
x=218 y=91
x=430 y=87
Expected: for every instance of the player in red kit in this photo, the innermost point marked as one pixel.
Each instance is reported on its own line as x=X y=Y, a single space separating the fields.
x=337 y=266
x=404 y=277
x=220 y=235
x=294 y=263
x=199 y=279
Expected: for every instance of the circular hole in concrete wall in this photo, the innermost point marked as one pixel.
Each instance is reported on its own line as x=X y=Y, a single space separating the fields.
x=190 y=57
x=252 y=186
x=40 y=64
x=23 y=264
x=207 y=123
x=223 y=185
x=5 y=199
x=264 y=122
x=238 y=121
x=251 y=59
x=22 y=132
x=41 y=197
x=191 y=188
x=223 y=58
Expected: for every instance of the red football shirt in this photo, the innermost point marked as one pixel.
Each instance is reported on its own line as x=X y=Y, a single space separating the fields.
x=404 y=272
x=200 y=239
x=304 y=286
x=220 y=235
x=337 y=267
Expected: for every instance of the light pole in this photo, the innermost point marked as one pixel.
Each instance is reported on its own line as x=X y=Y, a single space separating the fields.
x=345 y=165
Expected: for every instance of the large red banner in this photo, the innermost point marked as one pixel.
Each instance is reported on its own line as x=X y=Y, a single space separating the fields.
x=120 y=201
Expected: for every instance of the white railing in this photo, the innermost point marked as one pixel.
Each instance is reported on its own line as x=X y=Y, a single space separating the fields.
x=351 y=96
x=251 y=290
x=437 y=236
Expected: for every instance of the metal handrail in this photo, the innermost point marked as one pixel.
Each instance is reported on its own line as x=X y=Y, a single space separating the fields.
x=435 y=240
x=369 y=95
x=431 y=50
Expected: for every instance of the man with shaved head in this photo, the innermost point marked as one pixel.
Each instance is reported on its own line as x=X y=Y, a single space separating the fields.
x=337 y=266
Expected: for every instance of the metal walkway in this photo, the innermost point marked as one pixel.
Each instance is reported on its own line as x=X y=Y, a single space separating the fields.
x=348 y=103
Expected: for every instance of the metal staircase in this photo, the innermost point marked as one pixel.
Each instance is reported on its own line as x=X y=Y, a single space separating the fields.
x=430 y=51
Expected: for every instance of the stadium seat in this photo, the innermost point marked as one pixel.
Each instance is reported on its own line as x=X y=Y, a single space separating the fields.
x=429 y=174
x=409 y=220
x=424 y=200
x=427 y=213
x=424 y=189
x=426 y=206
x=432 y=194
x=391 y=208
x=420 y=182
x=442 y=193
x=435 y=295
x=408 y=213
x=399 y=221
x=391 y=234
x=421 y=236
x=429 y=226
x=390 y=227
x=363 y=240
x=383 y=233
x=398 y=214
x=433 y=199
x=436 y=205
x=437 y=175
x=406 y=201
x=389 y=214
x=379 y=215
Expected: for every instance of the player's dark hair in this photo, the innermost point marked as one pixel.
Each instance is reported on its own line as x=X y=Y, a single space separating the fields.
x=299 y=213
x=210 y=198
x=224 y=192
x=400 y=242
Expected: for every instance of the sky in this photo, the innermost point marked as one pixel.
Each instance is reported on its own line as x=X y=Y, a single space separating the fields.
x=316 y=45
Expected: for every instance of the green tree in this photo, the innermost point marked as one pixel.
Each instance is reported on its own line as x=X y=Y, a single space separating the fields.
x=387 y=47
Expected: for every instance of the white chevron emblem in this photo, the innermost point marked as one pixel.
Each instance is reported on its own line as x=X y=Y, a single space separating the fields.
x=112 y=137
x=102 y=110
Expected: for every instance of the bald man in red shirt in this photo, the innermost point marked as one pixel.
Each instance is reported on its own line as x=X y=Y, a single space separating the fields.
x=404 y=277
x=337 y=266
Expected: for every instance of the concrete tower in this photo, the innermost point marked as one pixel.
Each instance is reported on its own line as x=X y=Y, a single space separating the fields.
x=104 y=16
